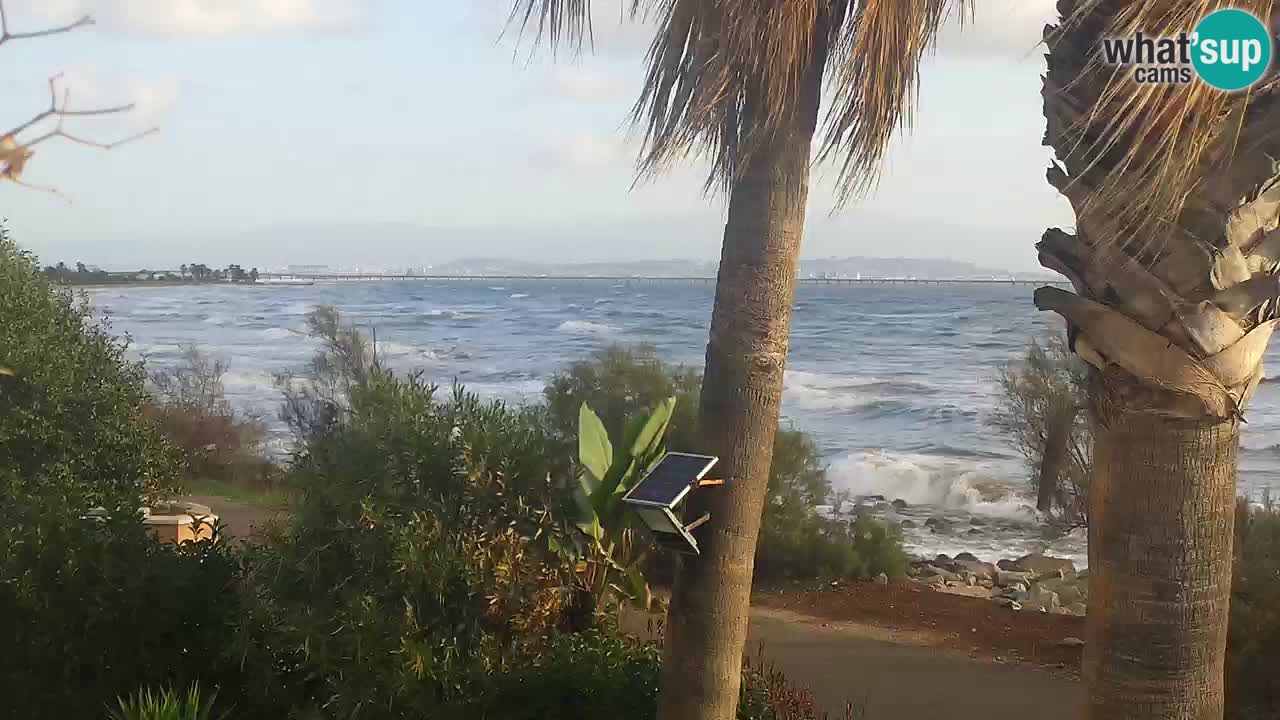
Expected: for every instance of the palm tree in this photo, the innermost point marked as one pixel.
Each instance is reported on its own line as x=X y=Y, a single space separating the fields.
x=1174 y=263
x=740 y=82
x=183 y=271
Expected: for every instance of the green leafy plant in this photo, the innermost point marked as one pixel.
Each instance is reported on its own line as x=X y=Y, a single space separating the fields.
x=1253 y=640
x=796 y=541
x=612 y=565
x=167 y=705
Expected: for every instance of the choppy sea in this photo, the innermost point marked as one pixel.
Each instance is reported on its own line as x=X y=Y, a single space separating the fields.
x=896 y=383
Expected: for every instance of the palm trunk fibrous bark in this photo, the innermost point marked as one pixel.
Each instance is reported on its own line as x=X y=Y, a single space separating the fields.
x=1174 y=315
x=738 y=418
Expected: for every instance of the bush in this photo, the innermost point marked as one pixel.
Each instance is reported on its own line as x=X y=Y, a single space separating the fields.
x=73 y=425
x=795 y=540
x=191 y=408
x=584 y=677
x=1253 y=645
x=89 y=610
x=817 y=547
x=1042 y=411
x=419 y=564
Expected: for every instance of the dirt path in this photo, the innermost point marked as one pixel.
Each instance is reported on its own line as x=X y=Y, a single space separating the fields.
x=905 y=671
x=897 y=680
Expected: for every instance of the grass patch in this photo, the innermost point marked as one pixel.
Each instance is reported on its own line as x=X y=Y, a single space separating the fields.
x=266 y=498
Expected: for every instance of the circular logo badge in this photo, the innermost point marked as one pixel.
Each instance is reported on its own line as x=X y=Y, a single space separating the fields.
x=1232 y=49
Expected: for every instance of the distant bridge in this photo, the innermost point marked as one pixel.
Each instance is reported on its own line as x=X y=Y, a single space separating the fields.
x=651 y=279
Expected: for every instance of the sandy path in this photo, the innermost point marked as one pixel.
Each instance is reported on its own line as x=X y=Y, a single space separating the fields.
x=899 y=677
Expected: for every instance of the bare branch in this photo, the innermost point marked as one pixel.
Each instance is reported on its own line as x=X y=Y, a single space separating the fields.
x=42 y=188
x=60 y=133
x=6 y=36
x=61 y=111
x=15 y=153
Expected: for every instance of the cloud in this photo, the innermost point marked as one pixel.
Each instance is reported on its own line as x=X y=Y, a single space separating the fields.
x=1006 y=29
x=153 y=98
x=582 y=153
x=585 y=84
x=205 y=17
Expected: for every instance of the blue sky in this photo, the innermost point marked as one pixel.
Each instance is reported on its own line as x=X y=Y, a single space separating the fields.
x=278 y=117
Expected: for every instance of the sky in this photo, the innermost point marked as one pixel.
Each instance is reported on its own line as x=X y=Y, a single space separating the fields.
x=412 y=132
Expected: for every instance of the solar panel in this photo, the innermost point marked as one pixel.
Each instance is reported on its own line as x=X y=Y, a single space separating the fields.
x=667 y=483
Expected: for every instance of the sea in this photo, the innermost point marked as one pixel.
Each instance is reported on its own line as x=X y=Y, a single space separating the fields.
x=896 y=383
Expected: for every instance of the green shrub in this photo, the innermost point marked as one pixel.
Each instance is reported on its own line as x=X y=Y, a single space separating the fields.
x=88 y=609
x=1042 y=412
x=583 y=677
x=818 y=547
x=72 y=407
x=1253 y=645
x=191 y=409
x=167 y=705
x=91 y=609
x=419 y=564
x=795 y=541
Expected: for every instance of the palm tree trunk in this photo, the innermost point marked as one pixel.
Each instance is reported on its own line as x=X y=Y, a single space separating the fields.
x=738 y=418
x=1175 y=331
x=1162 y=514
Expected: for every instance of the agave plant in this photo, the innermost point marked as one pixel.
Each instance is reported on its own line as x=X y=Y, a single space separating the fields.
x=146 y=704
x=611 y=565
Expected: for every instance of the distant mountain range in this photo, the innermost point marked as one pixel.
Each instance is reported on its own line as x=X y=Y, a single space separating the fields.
x=851 y=267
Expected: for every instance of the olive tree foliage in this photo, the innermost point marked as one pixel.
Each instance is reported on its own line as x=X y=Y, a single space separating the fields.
x=73 y=408
x=316 y=399
x=1043 y=412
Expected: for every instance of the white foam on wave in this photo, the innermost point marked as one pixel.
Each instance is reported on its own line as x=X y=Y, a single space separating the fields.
x=798 y=394
x=924 y=480
x=258 y=384
x=517 y=296
x=584 y=327
x=393 y=349
x=518 y=391
x=279 y=333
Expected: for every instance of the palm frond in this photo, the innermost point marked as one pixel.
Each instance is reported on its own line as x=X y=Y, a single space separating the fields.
x=563 y=23
x=724 y=78
x=876 y=66
x=1141 y=150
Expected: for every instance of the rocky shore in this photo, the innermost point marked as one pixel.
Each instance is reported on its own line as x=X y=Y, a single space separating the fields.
x=1035 y=582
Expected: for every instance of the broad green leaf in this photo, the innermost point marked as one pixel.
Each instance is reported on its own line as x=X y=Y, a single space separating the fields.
x=650 y=437
x=636 y=582
x=595 y=452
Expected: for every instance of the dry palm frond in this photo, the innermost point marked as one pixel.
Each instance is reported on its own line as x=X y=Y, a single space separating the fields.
x=1142 y=148
x=727 y=77
x=876 y=63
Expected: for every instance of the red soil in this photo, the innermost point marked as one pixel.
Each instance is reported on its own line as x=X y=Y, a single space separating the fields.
x=973 y=626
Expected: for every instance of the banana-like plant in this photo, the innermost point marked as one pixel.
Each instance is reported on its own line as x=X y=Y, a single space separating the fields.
x=611 y=567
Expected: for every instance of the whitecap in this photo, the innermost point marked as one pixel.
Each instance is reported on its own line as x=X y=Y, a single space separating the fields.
x=517 y=296
x=933 y=481
x=279 y=333
x=393 y=349
x=584 y=327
